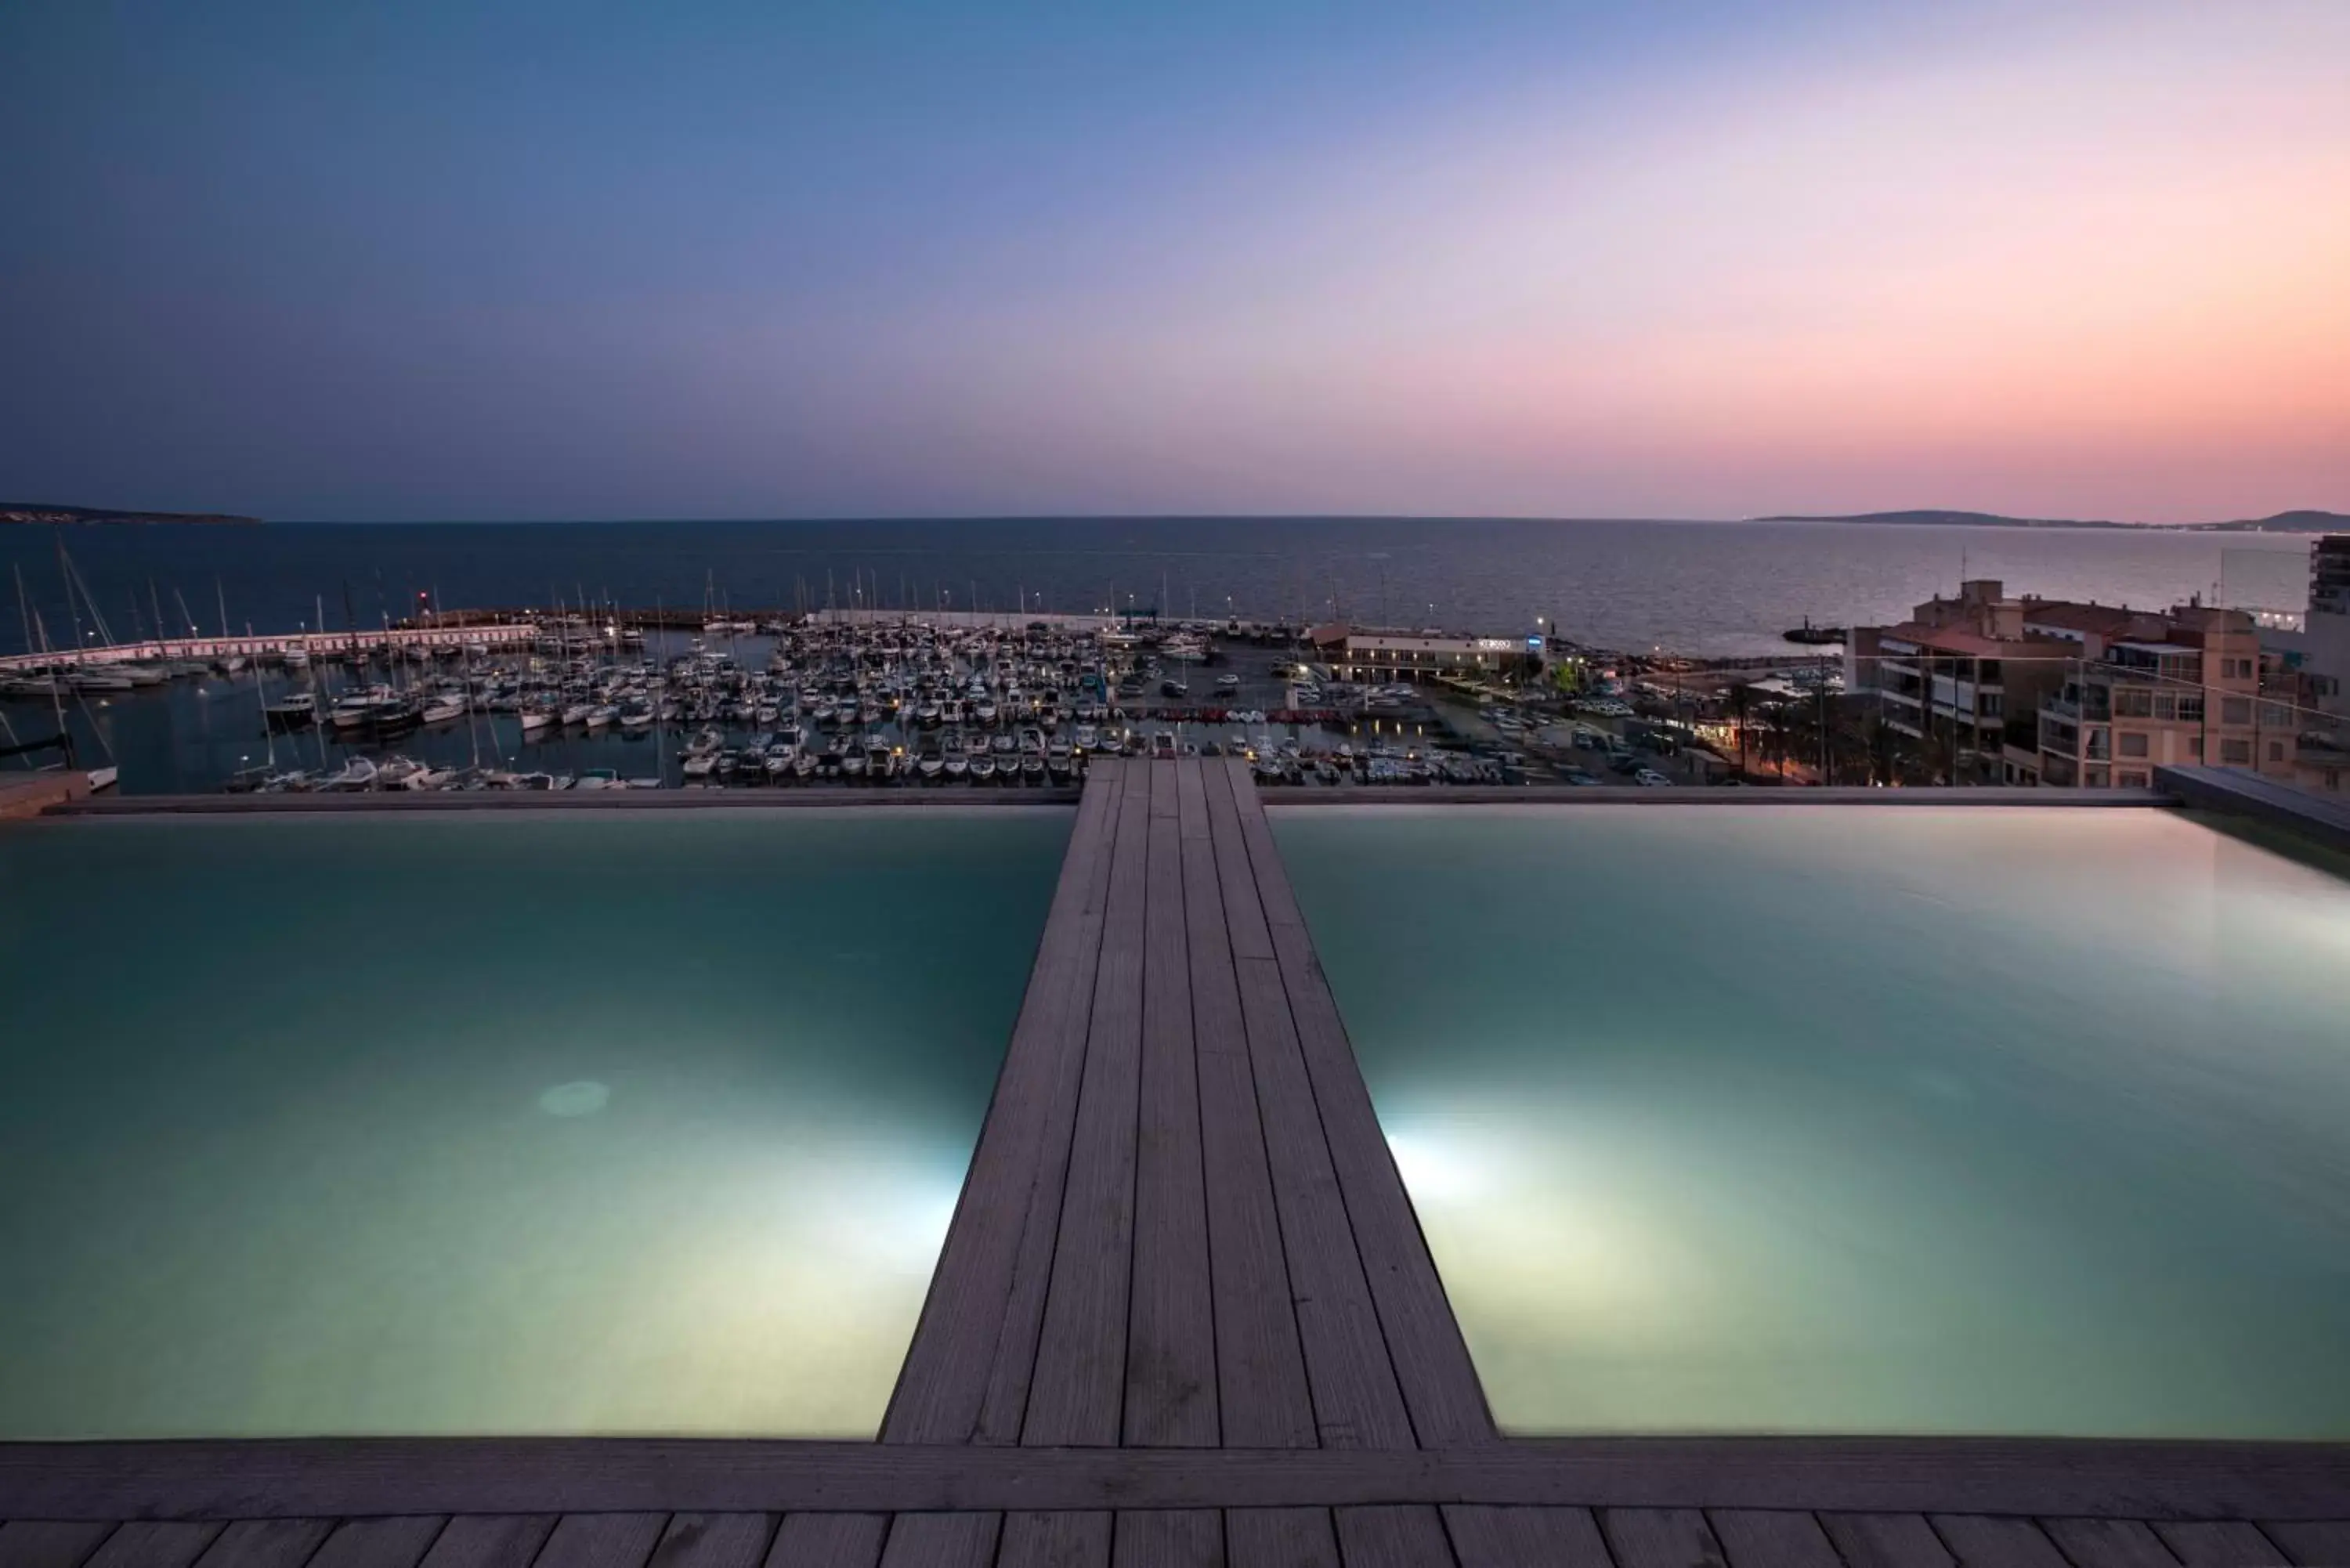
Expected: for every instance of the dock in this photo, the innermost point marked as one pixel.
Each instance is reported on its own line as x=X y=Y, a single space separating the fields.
x=1184 y=1316
x=434 y=639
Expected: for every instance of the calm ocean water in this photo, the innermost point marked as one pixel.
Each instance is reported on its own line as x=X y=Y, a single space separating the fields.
x=1714 y=588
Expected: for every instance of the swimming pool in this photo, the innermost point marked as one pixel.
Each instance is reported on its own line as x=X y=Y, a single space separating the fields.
x=493 y=1122
x=1860 y=1119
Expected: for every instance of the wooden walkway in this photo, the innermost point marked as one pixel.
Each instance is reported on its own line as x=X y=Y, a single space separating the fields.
x=1183 y=1317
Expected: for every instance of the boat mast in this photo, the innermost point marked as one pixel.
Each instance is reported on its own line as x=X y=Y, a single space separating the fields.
x=261 y=699
x=24 y=606
x=57 y=690
x=65 y=571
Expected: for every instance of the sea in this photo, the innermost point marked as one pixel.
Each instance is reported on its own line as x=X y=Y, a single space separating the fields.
x=1707 y=589
x=1704 y=589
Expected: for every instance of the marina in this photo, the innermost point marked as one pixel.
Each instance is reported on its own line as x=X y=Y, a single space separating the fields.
x=848 y=699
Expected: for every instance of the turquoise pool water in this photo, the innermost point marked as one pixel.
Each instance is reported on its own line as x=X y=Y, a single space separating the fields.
x=486 y=1123
x=1728 y=1119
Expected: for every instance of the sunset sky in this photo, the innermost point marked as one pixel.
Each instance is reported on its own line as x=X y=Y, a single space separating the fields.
x=865 y=258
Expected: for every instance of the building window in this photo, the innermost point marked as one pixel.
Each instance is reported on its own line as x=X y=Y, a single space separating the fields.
x=2166 y=705
x=2131 y=779
x=2276 y=750
x=2190 y=710
x=2235 y=710
x=2132 y=703
x=2131 y=742
x=2236 y=753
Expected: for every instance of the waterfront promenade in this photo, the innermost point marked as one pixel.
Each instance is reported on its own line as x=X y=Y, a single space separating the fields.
x=1183 y=1315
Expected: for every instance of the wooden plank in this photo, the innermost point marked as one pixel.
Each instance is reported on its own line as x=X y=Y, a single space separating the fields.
x=1980 y=1541
x=1885 y=1541
x=489 y=1540
x=601 y=1541
x=266 y=1543
x=2219 y=1543
x=1077 y=1391
x=1280 y=1537
x=1170 y=1538
x=2108 y=1543
x=147 y=1544
x=1431 y=1359
x=1061 y=1073
x=942 y=1541
x=50 y=1543
x=2312 y=1544
x=1485 y=1537
x=945 y=1381
x=828 y=1540
x=398 y=1542
x=1356 y=1402
x=713 y=1540
x=1054 y=1540
x=1772 y=1537
x=1261 y=1392
x=1659 y=1537
x=1938 y=1476
x=1243 y=918
x=1190 y=800
x=1392 y=1537
x=1171 y=1353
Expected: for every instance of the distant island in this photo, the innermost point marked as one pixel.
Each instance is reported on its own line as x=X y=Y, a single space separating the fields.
x=42 y=511
x=2301 y=522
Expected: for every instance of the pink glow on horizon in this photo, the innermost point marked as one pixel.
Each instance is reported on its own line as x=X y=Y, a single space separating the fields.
x=2105 y=277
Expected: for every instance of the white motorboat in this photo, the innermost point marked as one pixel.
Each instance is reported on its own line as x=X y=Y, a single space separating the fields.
x=293 y=709
x=357 y=774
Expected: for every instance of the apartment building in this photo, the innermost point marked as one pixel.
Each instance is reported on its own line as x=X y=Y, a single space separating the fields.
x=1958 y=675
x=2071 y=695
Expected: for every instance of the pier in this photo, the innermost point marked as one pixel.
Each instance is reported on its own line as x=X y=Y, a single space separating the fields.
x=410 y=640
x=1184 y=1316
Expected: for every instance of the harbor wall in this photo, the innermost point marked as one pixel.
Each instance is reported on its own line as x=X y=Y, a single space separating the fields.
x=35 y=793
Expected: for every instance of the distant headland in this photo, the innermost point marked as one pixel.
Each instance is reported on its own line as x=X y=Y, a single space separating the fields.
x=42 y=511
x=2307 y=521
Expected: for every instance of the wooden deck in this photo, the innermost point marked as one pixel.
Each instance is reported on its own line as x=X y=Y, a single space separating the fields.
x=1183 y=1317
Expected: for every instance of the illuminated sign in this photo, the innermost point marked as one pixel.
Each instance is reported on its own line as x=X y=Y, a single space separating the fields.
x=1533 y=644
x=1495 y=645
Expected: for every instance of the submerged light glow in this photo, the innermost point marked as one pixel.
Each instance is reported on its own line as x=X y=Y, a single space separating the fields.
x=1732 y=1118
x=489 y=1123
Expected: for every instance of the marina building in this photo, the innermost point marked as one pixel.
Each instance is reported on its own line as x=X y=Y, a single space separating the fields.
x=1375 y=654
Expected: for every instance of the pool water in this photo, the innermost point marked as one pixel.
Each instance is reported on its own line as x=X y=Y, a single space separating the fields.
x=492 y=1123
x=1866 y=1120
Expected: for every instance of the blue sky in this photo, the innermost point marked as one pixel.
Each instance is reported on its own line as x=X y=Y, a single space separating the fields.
x=734 y=260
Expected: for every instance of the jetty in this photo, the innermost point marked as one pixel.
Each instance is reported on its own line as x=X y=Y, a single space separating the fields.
x=439 y=641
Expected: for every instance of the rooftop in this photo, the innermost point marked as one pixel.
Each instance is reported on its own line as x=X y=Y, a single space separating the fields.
x=1184 y=1314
